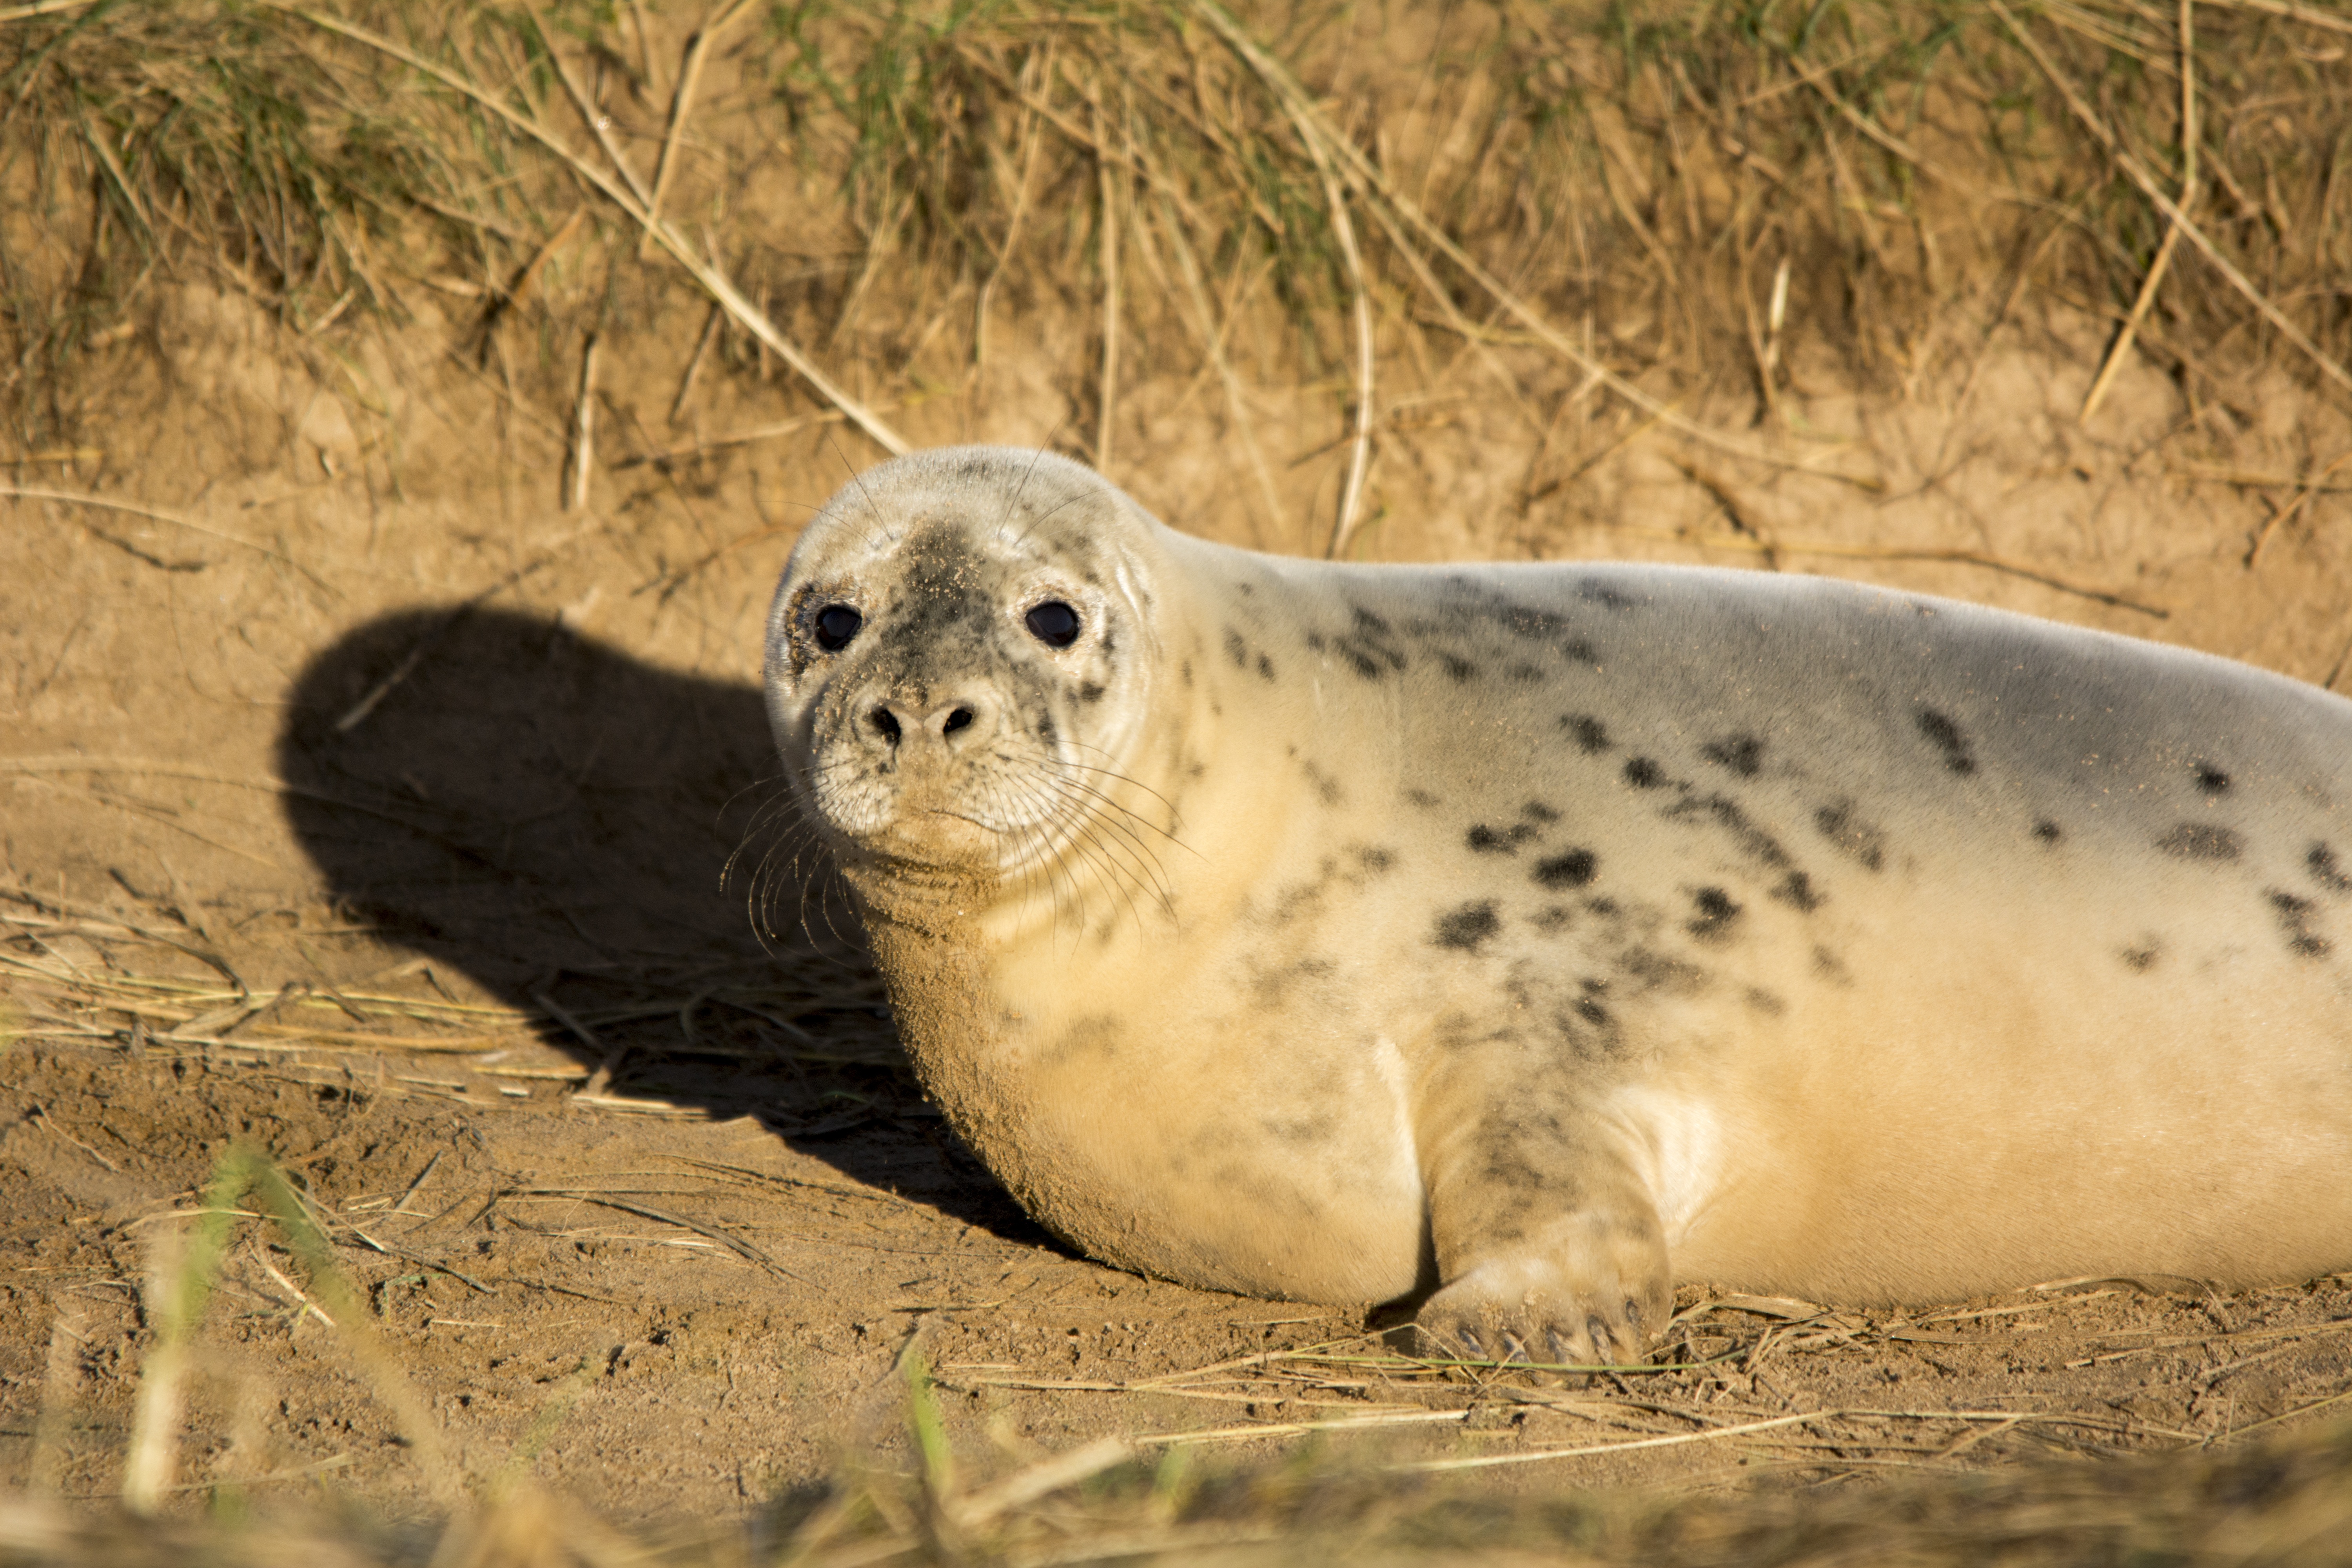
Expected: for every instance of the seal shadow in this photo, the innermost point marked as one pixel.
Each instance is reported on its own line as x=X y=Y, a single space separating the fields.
x=555 y=820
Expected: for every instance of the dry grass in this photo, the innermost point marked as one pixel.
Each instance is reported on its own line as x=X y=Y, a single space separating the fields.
x=1663 y=195
x=2282 y=1501
x=87 y=977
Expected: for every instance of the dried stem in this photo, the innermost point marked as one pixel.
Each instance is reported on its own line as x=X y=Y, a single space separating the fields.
x=1895 y=553
x=1035 y=134
x=705 y=270
x=1351 y=492
x=2156 y=270
x=1106 y=407
x=599 y=125
x=694 y=365
x=2292 y=10
x=2282 y=515
x=70 y=498
x=1213 y=337
x=681 y=104
x=1360 y=171
x=2136 y=172
x=583 y=430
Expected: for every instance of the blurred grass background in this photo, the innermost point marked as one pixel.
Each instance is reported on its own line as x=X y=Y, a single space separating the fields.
x=1676 y=189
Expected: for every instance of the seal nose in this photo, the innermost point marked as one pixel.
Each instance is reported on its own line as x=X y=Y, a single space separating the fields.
x=951 y=724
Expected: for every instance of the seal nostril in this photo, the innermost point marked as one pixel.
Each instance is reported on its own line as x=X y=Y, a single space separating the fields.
x=887 y=724
x=958 y=720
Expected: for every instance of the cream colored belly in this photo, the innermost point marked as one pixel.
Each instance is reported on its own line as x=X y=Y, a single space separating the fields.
x=1225 y=1181
x=1938 y=1145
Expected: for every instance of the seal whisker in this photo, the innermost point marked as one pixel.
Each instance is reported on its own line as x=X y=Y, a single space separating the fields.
x=859 y=480
x=778 y=782
x=766 y=882
x=1130 y=882
x=1109 y=800
x=1175 y=817
x=1103 y=797
x=1081 y=839
x=1015 y=499
x=1073 y=817
x=1147 y=867
x=1078 y=850
x=1044 y=516
x=776 y=824
x=1059 y=850
x=1044 y=863
x=789 y=853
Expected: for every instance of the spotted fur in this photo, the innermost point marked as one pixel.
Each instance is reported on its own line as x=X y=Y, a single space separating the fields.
x=1528 y=937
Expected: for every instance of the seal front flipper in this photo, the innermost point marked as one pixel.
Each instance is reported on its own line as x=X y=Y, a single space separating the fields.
x=1548 y=1247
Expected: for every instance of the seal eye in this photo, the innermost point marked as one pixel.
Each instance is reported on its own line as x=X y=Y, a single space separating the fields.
x=835 y=625
x=1054 y=623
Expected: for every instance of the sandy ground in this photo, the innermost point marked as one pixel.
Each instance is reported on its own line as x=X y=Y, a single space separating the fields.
x=360 y=803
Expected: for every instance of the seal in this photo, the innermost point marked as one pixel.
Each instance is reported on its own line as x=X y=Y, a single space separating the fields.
x=1533 y=936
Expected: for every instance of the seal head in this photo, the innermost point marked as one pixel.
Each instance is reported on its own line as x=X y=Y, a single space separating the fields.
x=961 y=639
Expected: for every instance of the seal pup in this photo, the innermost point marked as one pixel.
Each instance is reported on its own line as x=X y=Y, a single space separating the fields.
x=1536 y=935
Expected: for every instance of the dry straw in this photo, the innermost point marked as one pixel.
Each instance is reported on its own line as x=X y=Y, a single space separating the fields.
x=1631 y=169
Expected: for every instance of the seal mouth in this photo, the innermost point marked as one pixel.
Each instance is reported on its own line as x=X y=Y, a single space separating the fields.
x=1000 y=816
x=1004 y=821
